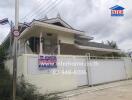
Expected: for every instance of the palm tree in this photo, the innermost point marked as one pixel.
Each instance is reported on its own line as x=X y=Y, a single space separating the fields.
x=112 y=44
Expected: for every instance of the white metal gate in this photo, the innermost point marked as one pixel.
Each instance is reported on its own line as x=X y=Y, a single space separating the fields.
x=106 y=70
x=77 y=65
x=88 y=71
x=94 y=71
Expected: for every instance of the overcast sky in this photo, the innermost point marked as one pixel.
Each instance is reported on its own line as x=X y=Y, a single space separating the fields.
x=91 y=16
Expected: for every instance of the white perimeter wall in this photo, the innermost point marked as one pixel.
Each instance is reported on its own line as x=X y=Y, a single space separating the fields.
x=128 y=66
x=102 y=71
x=20 y=68
x=99 y=71
x=46 y=80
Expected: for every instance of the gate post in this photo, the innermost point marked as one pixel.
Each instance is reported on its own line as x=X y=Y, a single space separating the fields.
x=87 y=68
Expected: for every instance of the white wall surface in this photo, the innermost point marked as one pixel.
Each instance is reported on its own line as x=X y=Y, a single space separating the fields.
x=20 y=66
x=9 y=65
x=78 y=66
x=102 y=71
x=66 y=38
x=128 y=66
x=47 y=81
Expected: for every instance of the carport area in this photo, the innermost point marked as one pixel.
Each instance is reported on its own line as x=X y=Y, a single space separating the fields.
x=113 y=91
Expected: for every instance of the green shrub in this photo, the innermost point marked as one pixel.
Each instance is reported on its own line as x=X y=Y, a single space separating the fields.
x=25 y=91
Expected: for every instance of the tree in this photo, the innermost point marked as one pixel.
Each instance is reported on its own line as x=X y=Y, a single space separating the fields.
x=114 y=45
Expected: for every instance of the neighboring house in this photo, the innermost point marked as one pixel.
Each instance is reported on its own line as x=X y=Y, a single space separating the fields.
x=55 y=36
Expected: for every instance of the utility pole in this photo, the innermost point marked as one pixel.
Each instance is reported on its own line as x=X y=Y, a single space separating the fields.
x=15 y=49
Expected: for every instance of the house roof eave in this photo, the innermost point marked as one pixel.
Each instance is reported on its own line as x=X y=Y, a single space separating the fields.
x=50 y=26
x=98 y=49
x=53 y=20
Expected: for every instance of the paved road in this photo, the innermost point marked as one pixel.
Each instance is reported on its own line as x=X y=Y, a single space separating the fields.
x=116 y=93
x=121 y=92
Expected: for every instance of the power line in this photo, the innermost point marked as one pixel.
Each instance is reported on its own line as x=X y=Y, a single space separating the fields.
x=50 y=10
x=46 y=8
x=41 y=11
x=10 y=5
x=40 y=2
x=37 y=10
x=51 y=7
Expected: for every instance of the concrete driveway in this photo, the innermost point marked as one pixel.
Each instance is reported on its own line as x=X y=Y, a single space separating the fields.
x=113 y=91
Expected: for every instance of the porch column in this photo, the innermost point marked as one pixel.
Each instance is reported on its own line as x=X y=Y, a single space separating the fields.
x=58 y=44
x=41 y=44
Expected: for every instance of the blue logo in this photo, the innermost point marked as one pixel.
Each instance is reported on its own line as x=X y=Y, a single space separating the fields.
x=117 y=11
